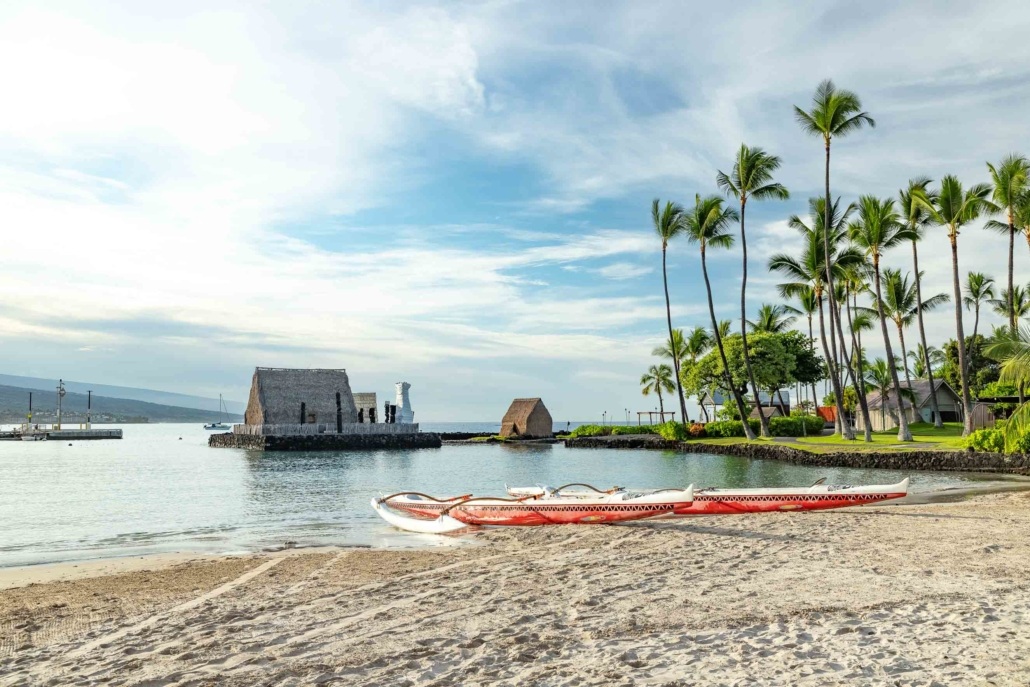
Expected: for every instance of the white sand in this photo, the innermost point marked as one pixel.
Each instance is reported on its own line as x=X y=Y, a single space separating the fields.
x=890 y=595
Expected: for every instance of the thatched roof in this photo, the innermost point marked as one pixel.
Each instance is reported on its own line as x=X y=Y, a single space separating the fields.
x=527 y=417
x=276 y=395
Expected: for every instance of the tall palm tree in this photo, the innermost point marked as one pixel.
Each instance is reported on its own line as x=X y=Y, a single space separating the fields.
x=808 y=271
x=707 y=225
x=668 y=223
x=855 y=278
x=979 y=289
x=1014 y=304
x=674 y=349
x=921 y=355
x=879 y=228
x=751 y=177
x=657 y=379
x=917 y=220
x=835 y=113
x=901 y=306
x=953 y=208
x=773 y=319
x=1009 y=180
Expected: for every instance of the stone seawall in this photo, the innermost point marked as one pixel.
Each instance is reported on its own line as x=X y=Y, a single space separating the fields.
x=326 y=442
x=917 y=459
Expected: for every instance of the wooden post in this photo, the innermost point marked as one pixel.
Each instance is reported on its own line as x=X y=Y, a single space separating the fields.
x=303 y=412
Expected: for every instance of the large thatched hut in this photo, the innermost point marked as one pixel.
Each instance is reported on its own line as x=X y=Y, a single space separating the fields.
x=287 y=397
x=527 y=418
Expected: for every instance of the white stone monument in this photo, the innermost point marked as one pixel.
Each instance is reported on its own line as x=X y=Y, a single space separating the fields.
x=404 y=412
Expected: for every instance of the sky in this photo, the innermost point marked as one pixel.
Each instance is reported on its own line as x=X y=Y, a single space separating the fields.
x=452 y=194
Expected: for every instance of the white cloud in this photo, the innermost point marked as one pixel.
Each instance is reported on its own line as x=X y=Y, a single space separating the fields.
x=624 y=270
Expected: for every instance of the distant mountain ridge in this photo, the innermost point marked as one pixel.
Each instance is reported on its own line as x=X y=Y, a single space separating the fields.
x=14 y=406
x=164 y=398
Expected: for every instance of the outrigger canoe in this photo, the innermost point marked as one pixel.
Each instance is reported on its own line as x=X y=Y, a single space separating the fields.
x=431 y=514
x=712 y=501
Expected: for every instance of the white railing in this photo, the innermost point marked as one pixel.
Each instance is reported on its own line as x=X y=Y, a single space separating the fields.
x=325 y=428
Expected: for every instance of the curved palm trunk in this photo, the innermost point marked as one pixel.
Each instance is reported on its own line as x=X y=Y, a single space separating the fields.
x=904 y=353
x=863 y=404
x=845 y=428
x=722 y=353
x=938 y=422
x=826 y=352
x=811 y=344
x=762 y=419
x=903 y=432
x=967 y=403
x=661 y=404
x=976 y=318
x=1012 y=249
x=675 y=353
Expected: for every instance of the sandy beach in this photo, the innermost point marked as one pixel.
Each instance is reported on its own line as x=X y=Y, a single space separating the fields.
x=926 y=594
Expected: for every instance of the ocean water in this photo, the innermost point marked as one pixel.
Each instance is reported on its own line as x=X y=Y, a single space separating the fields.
x=162 y=489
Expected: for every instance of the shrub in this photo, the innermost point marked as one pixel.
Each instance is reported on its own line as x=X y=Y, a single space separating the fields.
x=730 y=428
x=986 y=440
x=588 y=431
x=795 y=426
x=605 y=430
x=697 y=431
x=1022 y=444
x=671 y=431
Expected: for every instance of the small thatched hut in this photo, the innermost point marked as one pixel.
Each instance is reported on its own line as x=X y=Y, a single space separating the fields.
x=527 y=418
x=287 y=397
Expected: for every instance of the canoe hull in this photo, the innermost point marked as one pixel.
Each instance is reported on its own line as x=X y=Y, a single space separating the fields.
x=535 y=513
x=731 y=505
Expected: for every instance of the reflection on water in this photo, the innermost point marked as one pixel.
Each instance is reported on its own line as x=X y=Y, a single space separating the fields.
x=153 y=492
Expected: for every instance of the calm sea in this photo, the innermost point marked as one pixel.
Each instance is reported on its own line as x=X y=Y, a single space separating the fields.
x=162 y=489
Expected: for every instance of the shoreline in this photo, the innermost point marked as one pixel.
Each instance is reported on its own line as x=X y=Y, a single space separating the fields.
x=908 y=594
x=907 y=459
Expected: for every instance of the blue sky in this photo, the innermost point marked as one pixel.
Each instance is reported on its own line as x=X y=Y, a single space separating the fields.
x=453 y=194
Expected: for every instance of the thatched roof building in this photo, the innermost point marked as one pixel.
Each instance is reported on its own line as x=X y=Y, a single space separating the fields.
x=527 y=418
x=285 y=397
x=364 y=402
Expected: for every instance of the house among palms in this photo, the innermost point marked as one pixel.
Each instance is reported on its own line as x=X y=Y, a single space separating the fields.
x=714 y=401
x=883 y=408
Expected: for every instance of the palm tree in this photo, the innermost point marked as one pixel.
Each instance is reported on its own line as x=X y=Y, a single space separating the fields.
x=953 y=208
x=707 y=225
x=674 y=349
x=1011 y=347
x=668 y=223
x=658 y=378
x=917 y=219
x=1022 y=215
x=807 y=271
x=901 y=305
x=724 y=328
x=773 y=319
x=1010 y=183
x=1015 y=306
x=979 y=288
x=921 y=355
x=835 y=113
x=879 y=228
x=751 y=178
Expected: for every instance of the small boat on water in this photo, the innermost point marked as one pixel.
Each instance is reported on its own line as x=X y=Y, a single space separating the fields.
x=221 y=414
x=423 y=513
x=713 y=501
x=33 y=436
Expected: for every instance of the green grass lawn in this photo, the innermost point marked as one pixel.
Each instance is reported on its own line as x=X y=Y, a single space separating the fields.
x=924 y=435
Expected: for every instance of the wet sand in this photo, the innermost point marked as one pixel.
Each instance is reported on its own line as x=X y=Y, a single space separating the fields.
x=920 y=594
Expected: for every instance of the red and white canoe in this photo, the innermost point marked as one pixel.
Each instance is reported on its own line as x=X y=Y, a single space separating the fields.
x=531 y=510
x=712 y=501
